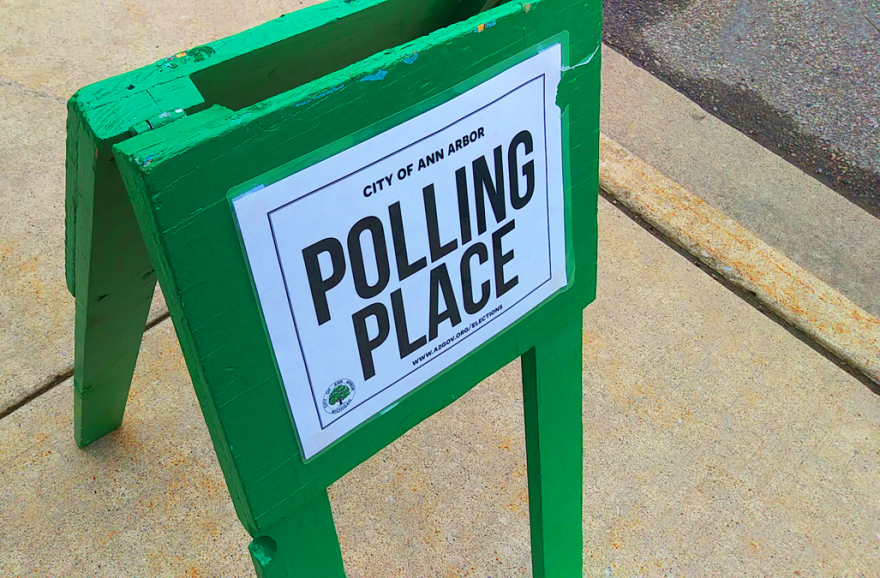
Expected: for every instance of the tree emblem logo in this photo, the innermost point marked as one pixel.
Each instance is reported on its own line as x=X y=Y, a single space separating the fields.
x=338 y=396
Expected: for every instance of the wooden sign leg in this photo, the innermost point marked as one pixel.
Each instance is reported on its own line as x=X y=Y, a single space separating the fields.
x=114 y=287
x=552 y=399
x=302 y=545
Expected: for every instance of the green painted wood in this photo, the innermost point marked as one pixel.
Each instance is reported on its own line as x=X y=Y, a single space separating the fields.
x=325 y=48
x=303 y=544
x=112 y=304
x=107 y=266
x=553 y=408
x=206 y=284
x=114 y=282
x=235 y=132
x=265 y=61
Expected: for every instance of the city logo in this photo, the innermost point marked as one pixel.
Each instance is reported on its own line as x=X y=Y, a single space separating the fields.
x=338 y=396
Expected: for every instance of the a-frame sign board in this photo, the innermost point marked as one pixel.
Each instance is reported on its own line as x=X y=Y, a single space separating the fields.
x=356 y=212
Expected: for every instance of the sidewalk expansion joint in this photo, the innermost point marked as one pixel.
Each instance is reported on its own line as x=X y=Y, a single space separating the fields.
x=787 y=293
x=52 y=382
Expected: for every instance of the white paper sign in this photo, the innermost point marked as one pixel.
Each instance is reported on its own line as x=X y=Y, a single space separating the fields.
x=385 y=264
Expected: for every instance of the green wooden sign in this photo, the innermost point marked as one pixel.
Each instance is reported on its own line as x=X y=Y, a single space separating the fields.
x=356 y=212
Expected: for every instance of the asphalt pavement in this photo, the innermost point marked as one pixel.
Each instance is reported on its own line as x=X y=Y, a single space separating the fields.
x=802 y=78
x=813 y=225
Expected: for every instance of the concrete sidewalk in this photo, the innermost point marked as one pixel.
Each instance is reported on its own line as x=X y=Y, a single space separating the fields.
x=48 y=50
x=716 y=442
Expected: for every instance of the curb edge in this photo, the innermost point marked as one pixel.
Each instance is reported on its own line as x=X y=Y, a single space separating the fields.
x=790 y=291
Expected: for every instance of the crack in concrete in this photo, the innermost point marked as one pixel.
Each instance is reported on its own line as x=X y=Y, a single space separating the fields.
x=54 y=381
x=18 y=87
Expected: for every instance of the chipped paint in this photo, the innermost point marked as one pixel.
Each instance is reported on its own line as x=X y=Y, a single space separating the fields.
x=485 y=25
x=200 y=53
x=197 y=54
x=320 y=95
x=379 y=75
x=411 y=59
x=585 y=60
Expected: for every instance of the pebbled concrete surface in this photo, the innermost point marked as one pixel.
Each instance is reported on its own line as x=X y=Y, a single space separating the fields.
x=48 y=50
x=801 y=78
x=716 y=444
x=36 y=311
x=148 y=500
x=56 y=47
